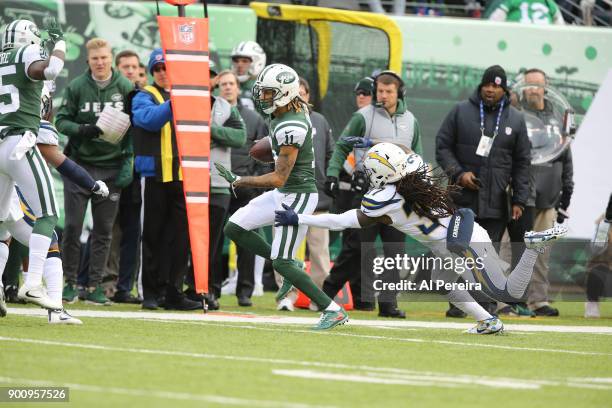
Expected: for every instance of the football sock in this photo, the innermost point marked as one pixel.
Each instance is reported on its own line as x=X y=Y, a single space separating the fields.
x=39 y=246
x=53 y=275
x=521 y=275
x=250 y=240
x=333 y=307
x=464 y=301
x=296 y=275
x=4 y=254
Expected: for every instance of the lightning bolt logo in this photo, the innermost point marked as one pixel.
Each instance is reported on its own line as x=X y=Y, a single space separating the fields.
x=382 y=160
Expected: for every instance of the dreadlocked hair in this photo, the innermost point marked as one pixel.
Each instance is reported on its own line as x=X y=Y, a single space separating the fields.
x=297 y=104
x=428 y=192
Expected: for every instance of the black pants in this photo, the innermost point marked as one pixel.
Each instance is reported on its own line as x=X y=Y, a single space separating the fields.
x=516 y=231
x=393 y=244
x=129 y=222
x=165 y=239
x=245 y=258
x=218 y=209
x=103 y=210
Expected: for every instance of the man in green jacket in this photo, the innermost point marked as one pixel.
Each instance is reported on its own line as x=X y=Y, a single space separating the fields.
x=84 y=99
x=385 y=120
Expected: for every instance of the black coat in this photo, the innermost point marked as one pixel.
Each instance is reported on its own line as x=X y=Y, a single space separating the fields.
x=507 y=164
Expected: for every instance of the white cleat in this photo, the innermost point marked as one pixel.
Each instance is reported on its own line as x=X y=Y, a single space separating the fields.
x=489 y=326
x=591 y=310
x=60 y=316
x=38 y=296
x=541 y=239
x=2 y=302
x=285 y=304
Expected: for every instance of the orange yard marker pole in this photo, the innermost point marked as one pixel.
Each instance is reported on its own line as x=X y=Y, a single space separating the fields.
x=185 y=44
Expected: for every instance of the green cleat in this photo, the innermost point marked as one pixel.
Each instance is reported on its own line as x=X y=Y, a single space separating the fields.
x=97 y=297
x=69 y=294
x=331 y=319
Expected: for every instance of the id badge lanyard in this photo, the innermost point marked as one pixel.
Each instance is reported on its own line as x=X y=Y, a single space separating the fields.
x=484 y=147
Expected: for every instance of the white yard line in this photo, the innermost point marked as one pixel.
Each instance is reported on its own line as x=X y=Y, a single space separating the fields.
x=136 y=392
x=379 y=337
x=244 y=318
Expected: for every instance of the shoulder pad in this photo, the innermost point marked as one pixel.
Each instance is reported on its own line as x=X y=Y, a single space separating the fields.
x=377 y=202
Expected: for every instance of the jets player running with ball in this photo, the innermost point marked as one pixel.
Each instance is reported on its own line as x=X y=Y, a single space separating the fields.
x=276 y=93
x=406 y=196
x=24 y=64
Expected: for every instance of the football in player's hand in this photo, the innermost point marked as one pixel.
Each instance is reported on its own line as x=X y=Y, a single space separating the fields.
x=262 y=151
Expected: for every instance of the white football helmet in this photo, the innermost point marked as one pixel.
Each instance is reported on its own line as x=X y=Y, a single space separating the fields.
x=19 y=33
x=387 y=163
x=253 y=51
x=284 y=83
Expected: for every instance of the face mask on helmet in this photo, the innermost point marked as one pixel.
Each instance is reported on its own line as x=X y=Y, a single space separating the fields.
x=46 y=102
x=19 y=33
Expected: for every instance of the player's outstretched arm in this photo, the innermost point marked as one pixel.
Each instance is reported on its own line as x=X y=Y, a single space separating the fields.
x=51 y=67
x=72 y=171
x=335 y=222
x=277 y=178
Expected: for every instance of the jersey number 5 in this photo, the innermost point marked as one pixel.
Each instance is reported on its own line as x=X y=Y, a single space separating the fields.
x=10 y=90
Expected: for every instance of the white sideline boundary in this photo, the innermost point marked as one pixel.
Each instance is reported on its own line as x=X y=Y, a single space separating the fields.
x=292 y=320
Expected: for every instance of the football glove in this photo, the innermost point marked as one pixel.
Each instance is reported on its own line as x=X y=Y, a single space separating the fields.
x=54 y=30
x=358 y=141
x=227 y=175
x=286 y=217
x=89 y=131
x=562 y=215
x=332 y=186
x=100 y=189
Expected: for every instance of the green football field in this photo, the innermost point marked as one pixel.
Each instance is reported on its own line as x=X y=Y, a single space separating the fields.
x=257 y=357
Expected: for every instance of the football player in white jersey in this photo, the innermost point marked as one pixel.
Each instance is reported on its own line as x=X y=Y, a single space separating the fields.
x=404 y=194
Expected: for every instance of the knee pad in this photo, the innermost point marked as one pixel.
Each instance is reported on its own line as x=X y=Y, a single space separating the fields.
x=459 y=232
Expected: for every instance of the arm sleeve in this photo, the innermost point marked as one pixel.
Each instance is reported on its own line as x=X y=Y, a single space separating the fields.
x=147 y=114
x=520 y=166
x=355 y=127
x=329 y=144
x=334 y=222
x=567 y=188
x=66 y=112
x=233 y=132
x=417 y=146
x=445 y=146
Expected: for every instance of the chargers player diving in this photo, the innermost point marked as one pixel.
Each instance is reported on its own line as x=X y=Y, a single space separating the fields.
x=405 y=195
x=24 y=64
x=276 y=93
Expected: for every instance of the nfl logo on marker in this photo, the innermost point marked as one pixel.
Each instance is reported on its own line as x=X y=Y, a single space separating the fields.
x=186 y=33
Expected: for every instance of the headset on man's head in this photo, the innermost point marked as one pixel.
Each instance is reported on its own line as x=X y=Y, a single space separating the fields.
x=400 y=90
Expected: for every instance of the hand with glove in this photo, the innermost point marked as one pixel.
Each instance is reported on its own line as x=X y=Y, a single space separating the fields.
x=89 y=131
x=100 y=188
x=562 y=215
x=358 y=141
x=227 y=175
x=54 y=29
x=286 y=217
x=332 y=186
